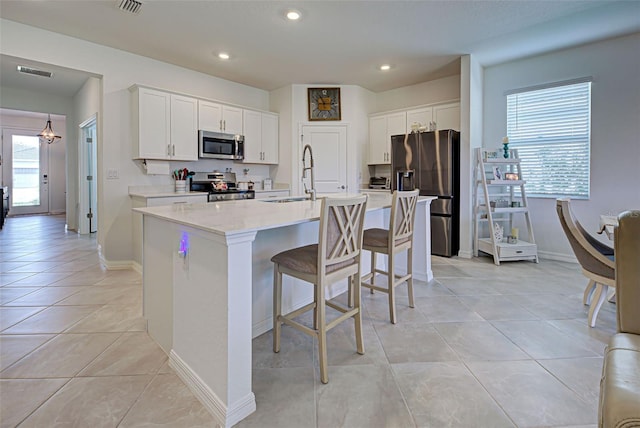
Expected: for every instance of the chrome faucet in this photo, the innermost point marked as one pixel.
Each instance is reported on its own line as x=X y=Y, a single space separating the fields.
x=312 y=191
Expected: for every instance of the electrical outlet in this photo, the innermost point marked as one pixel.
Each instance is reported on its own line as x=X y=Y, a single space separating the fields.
x=112 y=174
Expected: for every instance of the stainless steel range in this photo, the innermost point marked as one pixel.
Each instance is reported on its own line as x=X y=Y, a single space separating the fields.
x=221 y=186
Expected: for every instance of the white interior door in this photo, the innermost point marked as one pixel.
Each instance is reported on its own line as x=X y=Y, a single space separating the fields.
x=25 y=171
x=329 y=145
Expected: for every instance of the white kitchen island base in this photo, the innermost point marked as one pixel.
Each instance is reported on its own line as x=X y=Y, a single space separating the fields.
x=207 y=279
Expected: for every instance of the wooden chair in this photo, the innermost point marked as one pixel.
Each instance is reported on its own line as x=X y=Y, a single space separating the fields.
x=595 y=258
x=335 y=257
x=398 y=238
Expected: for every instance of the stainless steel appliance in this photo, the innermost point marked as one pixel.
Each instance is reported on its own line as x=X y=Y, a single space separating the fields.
x=434 y=158
x=379 y=183
x=221 y=186
x=217 y=145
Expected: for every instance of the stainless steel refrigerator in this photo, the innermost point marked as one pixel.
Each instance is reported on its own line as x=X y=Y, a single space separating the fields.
x=430 y=161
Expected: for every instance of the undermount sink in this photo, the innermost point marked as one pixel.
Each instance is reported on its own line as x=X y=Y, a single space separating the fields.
x=284 y=201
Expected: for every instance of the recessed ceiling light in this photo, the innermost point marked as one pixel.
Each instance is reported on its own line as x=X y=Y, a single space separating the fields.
x=223 y=55
x=385 y=67
x=293 y=15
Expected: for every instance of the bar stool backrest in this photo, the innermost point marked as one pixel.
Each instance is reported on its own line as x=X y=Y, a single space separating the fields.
x=341 y=230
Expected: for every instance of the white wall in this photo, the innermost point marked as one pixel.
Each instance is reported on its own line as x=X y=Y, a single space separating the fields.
x=356 y=104
x=86 y=104
x=120 y=70
x=433 y=91
x=615 y=128
x=60 y=122
x=471 y=119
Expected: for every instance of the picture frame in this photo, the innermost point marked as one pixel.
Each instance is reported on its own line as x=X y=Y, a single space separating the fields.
x=511 y=176
x=324 y=104
x=497 y=174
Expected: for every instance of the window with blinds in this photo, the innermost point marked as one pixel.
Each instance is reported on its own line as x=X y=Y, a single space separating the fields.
x=551 y=128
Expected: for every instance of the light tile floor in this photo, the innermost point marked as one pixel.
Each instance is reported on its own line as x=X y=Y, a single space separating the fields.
x=485 y=346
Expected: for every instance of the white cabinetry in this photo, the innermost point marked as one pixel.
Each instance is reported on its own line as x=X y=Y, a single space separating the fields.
x=496 y=204
x=442 y=116
x=447 y=116
x=423 y=117
x=383 y=125
x=142 y=200
x=164 y=125
x=219 y=118
x=267 y=194
x=381 y=128
x=260 y=132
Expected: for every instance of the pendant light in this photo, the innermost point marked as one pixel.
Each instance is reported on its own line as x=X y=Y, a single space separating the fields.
x=47 y=133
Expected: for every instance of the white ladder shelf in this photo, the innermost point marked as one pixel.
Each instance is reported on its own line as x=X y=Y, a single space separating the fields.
x=495 y=205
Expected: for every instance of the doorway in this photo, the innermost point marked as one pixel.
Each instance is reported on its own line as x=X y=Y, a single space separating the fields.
x=25 y=171
x=88 y=162
x=329 y=145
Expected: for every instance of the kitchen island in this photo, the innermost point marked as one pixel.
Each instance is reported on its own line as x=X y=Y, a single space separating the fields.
x=208 y=279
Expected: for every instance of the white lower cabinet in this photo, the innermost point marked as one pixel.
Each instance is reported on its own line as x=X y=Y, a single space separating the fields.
x=266 y=194
x=141 y=201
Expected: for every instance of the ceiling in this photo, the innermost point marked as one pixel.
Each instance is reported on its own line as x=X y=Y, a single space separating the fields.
x=335 y=42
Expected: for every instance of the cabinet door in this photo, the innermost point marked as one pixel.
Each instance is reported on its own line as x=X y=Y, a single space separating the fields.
x=422 y=117
x=231 y=120
x=270 y=135
x=209 y=116
x=447 y=116
x=377 y=139
x=396 y=125
x=154 y=121
x=252 y=131
x=184 y=128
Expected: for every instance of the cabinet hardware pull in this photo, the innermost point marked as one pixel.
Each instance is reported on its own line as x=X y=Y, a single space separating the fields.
x=174 y=149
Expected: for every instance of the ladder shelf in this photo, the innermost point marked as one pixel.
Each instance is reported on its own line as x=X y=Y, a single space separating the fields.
x=497 y=203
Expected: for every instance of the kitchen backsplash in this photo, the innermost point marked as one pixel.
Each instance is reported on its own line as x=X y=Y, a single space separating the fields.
x=255 y=173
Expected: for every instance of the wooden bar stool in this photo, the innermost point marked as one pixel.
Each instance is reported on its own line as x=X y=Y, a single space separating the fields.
x=391 y=242
x=335 y=257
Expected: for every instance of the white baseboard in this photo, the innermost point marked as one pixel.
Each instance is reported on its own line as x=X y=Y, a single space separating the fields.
x=119 y=265
x=561 y=257
x=225 y=416
x=465 y=254
x=137 y=267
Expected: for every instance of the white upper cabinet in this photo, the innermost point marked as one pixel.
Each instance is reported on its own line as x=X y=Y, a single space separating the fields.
x=443 y=116
x=260 y=132
x=184 y=128
x=164 y=125
x=447 y=116
x=422 y=117
x=381 y=128
x=219 y=118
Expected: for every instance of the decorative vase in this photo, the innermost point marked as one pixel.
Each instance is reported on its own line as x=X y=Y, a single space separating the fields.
x=498 y=232
x=505 y=142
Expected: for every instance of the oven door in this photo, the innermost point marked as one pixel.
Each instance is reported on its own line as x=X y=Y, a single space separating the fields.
x=216 y=145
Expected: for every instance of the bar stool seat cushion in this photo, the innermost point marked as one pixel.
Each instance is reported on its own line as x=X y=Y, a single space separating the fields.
x=305 y=259
x=379 y=238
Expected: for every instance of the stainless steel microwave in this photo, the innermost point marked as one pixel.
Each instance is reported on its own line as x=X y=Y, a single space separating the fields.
x=217 y=145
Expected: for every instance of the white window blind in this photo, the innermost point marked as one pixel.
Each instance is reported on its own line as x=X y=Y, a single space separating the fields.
x=551 y=128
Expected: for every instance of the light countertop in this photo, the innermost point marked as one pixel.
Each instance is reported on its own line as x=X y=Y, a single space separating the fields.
x=232 y=217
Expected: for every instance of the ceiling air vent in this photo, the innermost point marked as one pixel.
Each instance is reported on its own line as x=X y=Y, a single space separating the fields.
x=34 y=71
x=132 y=6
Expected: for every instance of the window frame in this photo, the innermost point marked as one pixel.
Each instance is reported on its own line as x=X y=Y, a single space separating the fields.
x=532 y=114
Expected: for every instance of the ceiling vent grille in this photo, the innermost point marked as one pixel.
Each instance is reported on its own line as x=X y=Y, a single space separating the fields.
x=34 y=71
x=131 y=6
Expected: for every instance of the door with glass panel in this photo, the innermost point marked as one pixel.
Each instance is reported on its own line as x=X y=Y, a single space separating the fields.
x=25 y=171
